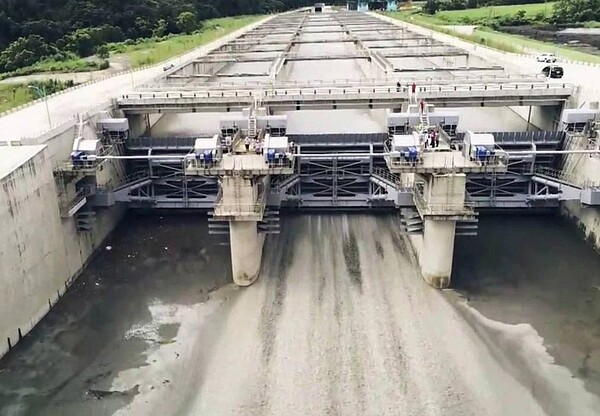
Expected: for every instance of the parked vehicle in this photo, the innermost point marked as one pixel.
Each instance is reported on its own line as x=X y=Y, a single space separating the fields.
x=546 y=57
x=553 y=71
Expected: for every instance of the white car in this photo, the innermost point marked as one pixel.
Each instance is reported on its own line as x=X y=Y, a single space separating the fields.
x=546 y=57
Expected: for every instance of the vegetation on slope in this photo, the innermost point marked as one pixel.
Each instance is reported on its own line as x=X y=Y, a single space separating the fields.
x=489 y=13
x=562 y=11
x=54 y=31
x=14 y=95
x=494 y=39
x=527 y=18
x=150 y=51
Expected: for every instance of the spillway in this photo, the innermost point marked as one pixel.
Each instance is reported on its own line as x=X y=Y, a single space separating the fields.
x=339 y=323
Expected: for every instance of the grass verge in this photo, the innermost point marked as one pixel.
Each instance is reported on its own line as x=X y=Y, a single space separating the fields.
x=526 y=45
x=49 y=65
x=14 y=95
x=494 y=39
x=434 y=24
x=489 y=12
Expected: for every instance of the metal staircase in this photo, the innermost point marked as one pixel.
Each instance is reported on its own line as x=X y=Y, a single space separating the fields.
x=424 y=118
x=84 y=220
x=270 y=222
x=268 y=225
x=467 y=227
x=410 y=221
x=252 y=128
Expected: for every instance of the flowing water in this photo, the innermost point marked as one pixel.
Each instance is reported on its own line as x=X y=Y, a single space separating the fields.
x=339 y=323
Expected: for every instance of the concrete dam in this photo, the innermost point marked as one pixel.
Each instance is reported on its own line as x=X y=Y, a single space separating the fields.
x=263 y=229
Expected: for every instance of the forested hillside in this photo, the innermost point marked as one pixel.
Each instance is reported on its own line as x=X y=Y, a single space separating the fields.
x=32 y=30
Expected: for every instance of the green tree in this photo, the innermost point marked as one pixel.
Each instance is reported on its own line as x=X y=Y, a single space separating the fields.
x=24 y=52
x=431 y=6
x=102 y=52
x=79 y=42
x=161 y=29
x=576 y=11
x=186 y=22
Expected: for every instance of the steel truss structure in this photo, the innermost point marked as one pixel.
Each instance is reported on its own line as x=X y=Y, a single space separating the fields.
x=347 y=181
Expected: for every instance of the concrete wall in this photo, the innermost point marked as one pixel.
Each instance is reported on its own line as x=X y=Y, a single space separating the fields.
x=140 y=124
x=43 y=253
x=40 y=253
x=587 y=218
x=543 y=118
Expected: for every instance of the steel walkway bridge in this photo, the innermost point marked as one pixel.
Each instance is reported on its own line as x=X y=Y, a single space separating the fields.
x=350 y=97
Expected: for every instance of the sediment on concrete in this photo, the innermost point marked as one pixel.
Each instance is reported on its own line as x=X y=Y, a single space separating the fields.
x=42 y=252
x=585 y=169
x=586 y=219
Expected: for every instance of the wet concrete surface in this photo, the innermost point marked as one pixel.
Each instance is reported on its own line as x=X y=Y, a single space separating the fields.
x=538 y=270
x=65 y=365
x=339 y=323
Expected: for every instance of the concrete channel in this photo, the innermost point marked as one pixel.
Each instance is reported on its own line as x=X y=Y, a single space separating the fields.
x=340 y=321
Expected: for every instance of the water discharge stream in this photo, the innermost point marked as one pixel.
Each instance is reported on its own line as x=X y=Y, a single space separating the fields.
x=339 y=323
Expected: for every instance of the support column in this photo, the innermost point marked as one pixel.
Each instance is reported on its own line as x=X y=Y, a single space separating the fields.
x=246 y=251
x=444 y=203
x=242 y=202
x=437 y=252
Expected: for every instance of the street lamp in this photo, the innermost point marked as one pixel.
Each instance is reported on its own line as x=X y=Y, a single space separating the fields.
x=42 y=94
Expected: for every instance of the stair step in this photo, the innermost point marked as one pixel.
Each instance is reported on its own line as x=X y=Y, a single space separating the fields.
x=218 y=232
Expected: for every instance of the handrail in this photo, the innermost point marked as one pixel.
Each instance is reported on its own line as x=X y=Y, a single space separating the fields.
x=386 y=174
x=405 y=81
x=256 y=208
x=67 y=202
x=427 y=208
x=345 y=91
x=566 y=178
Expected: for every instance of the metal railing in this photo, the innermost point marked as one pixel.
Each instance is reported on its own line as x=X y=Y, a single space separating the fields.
x=347 y=91
x=386 y=175
x=68 y=201
x=255 y=209
x=364 y=82
x=569 y=179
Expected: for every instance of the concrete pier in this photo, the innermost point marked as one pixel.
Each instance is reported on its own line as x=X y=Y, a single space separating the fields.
x=441 y=205
x=242 y=203
x=437 y=252
x=246 y=251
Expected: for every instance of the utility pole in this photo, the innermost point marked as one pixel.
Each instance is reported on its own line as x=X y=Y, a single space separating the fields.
x=42 y=94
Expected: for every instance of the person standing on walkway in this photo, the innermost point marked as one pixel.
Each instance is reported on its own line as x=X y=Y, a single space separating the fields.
x=422 y=105
x=413 y=87
x=247 y=143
